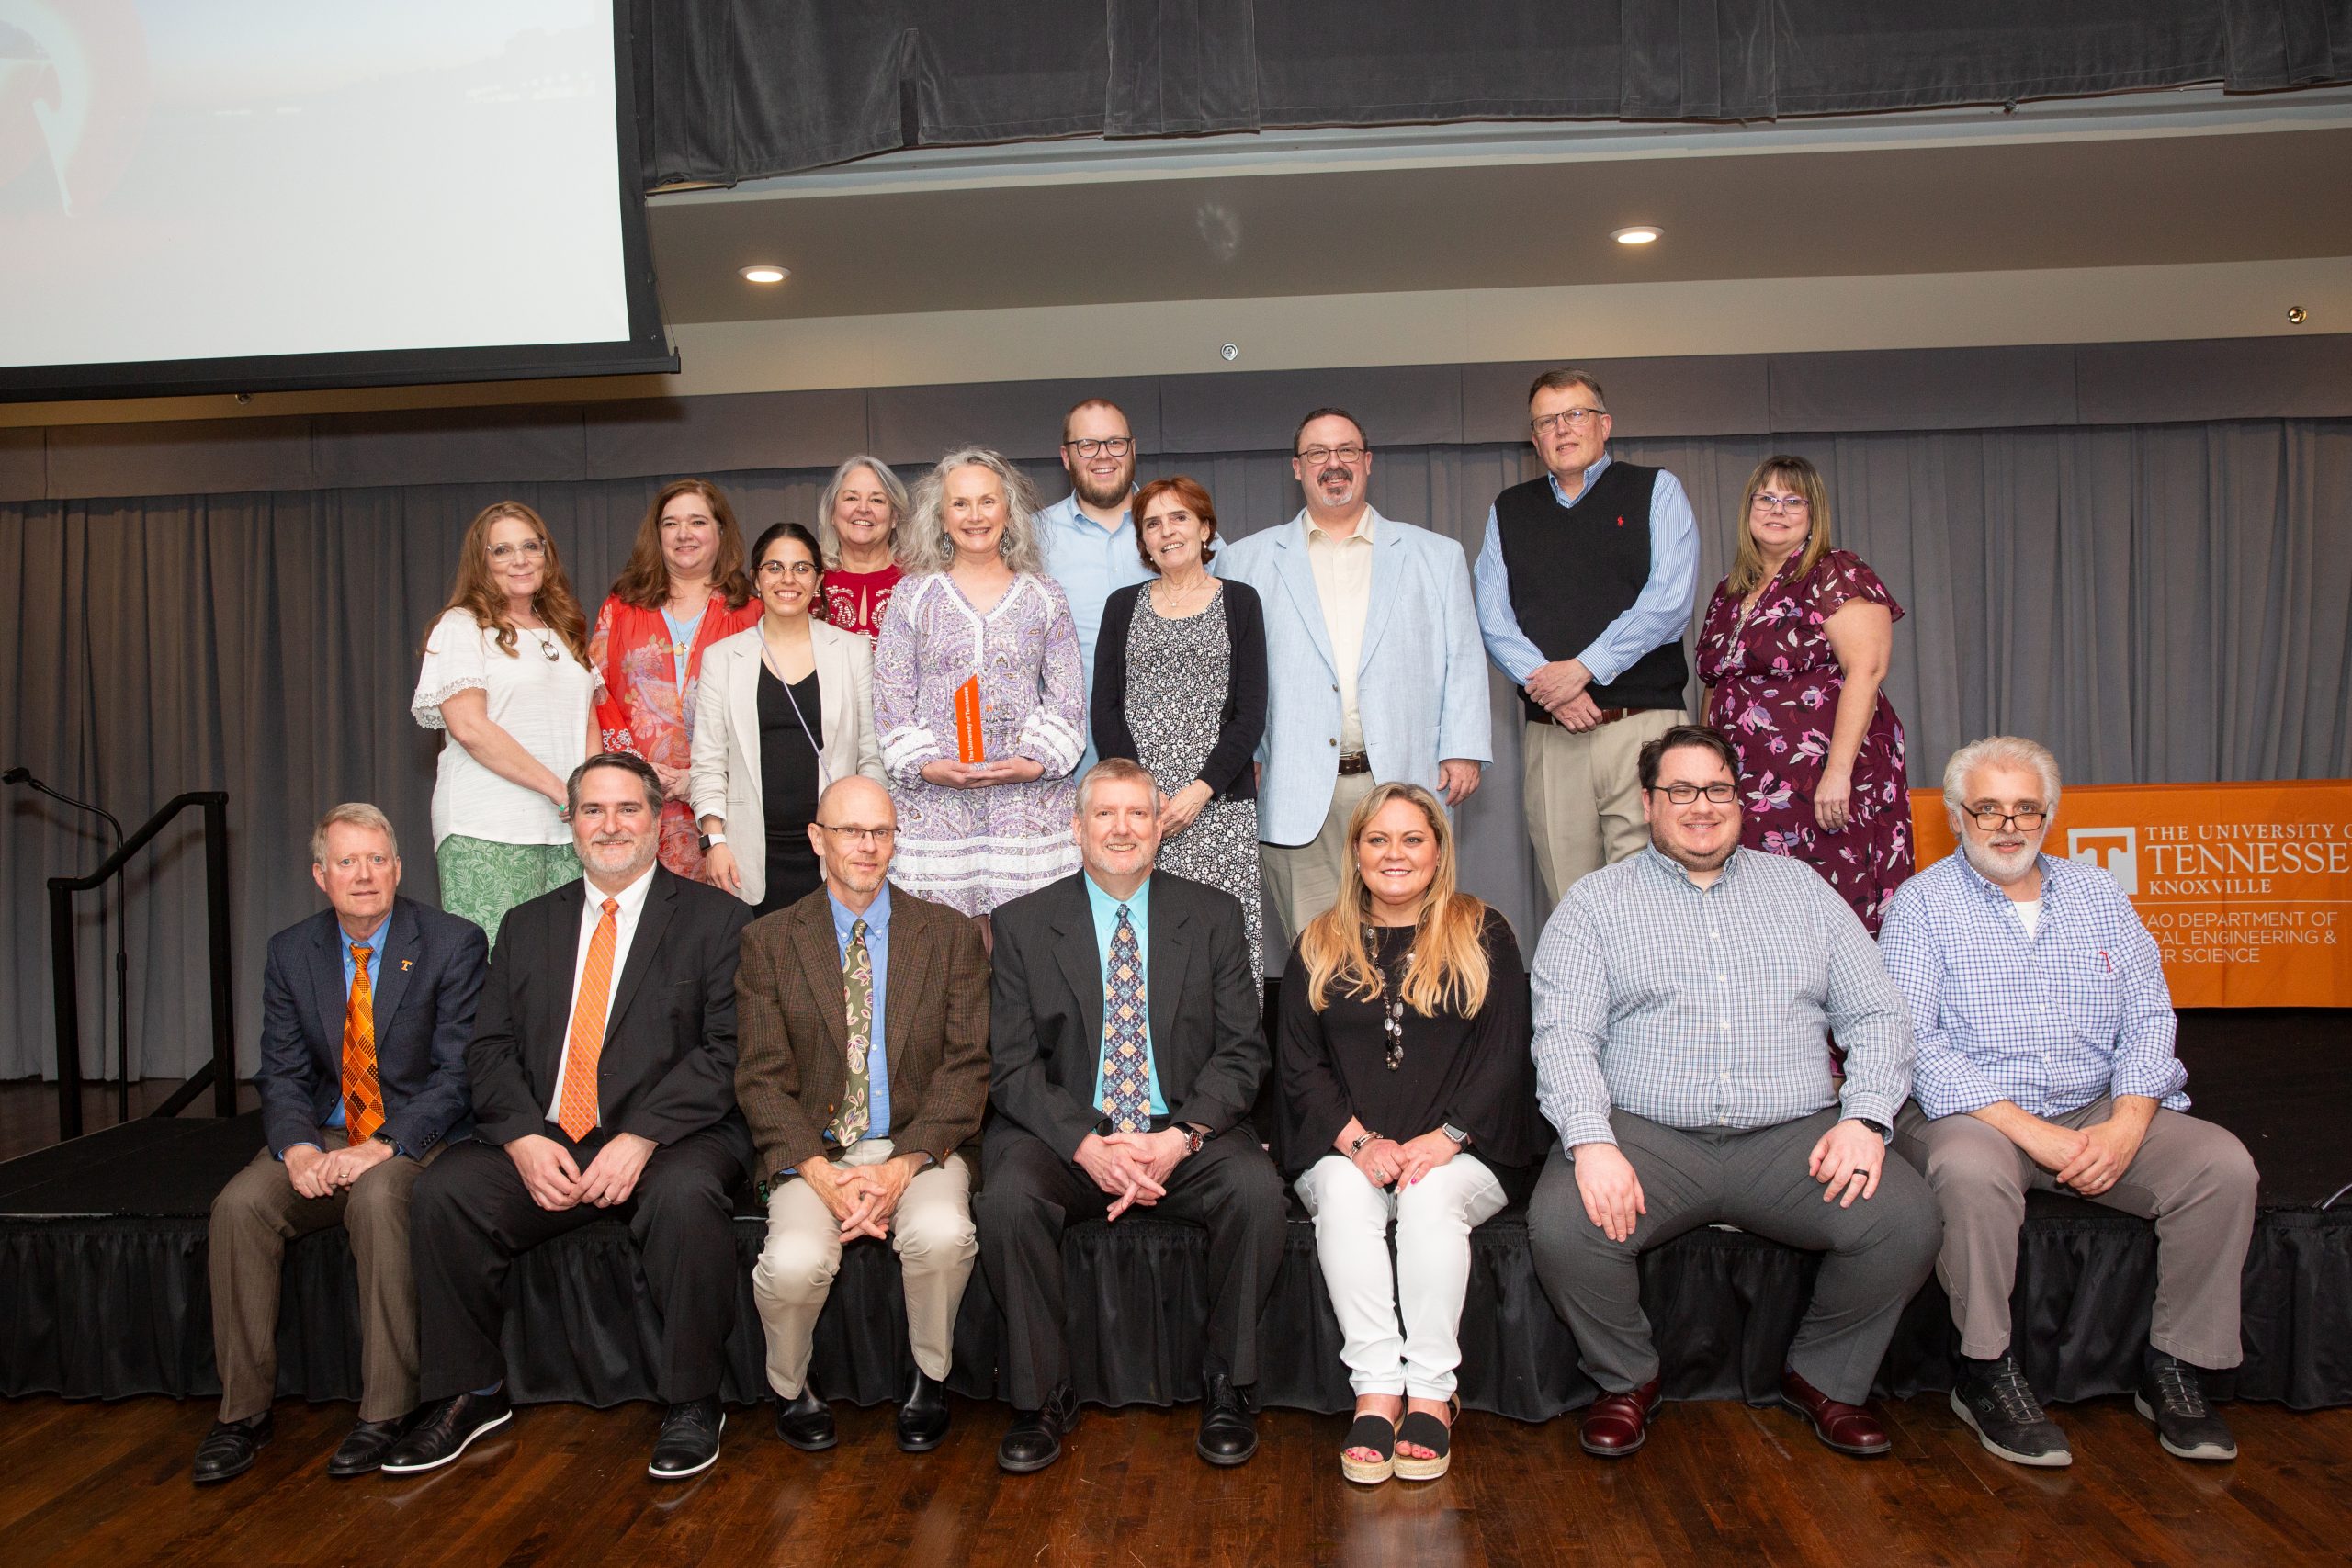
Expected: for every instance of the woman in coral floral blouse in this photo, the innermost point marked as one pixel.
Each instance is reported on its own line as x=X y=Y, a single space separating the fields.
x=1793 y=651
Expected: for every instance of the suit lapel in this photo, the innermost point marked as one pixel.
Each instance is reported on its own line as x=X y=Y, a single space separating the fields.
x=402 y=944
x=1165 y=977
x=820 y=965
x=326 y=979
x=1080 y=958
x=1298 y=578
x=553 y=989
x=1386 y=548
x=651 y=921
x=743 y=707
x=911 y=962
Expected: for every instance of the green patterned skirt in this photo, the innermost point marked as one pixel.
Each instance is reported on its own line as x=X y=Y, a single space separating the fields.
x=482 y=880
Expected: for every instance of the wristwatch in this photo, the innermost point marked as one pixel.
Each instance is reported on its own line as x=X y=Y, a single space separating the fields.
x=381 y=1136
x=1456 y=1134
x=1881 y=1128
x=712 y=841
x=1195 y=1137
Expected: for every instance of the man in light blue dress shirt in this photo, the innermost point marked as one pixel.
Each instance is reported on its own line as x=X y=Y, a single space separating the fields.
x=1584 y=586
x=2046 y=1063
x=1089 y=536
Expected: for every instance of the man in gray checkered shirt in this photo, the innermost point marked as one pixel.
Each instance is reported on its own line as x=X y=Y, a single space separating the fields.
x=1683 y=1003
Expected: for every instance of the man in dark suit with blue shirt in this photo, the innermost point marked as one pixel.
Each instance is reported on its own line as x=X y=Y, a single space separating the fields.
x=367 y=1007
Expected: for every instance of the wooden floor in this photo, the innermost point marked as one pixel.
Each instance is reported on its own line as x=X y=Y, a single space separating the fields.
x=108 y=1485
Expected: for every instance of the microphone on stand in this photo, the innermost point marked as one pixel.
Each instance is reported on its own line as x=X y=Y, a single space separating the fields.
x=24 y=776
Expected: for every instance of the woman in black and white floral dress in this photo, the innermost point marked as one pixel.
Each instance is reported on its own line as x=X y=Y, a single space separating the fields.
x=1179 y=686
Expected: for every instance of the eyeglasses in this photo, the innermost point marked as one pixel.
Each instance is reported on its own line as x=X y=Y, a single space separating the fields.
x=1575 y=419
x=878 y=836
x=1684 y=794
x=1316 y=456
x=1762 y=502
x=1998 y=821
x=1092 y=447
x=771 y=570
x=530 y=549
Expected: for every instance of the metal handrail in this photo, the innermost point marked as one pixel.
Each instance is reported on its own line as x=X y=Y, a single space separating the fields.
x=219 y=1074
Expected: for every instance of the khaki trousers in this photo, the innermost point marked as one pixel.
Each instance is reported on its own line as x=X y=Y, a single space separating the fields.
x=2195 y=1179
x=253 y=1218
x=932 y=1234
x=1304 y=879
x=1584 y=794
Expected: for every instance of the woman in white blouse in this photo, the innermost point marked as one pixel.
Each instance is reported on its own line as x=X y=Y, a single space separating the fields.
x=785 y=708
x=506 y=675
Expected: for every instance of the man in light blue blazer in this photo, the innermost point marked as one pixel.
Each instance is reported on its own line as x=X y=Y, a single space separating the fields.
x=1375 y=668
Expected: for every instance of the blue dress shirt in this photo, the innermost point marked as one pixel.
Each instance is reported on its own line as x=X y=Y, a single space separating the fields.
x=1092 y=563
x=1660 y=613
x=877 y=948
x=2048 y=1022
x=1106 y=925
x=374 y=942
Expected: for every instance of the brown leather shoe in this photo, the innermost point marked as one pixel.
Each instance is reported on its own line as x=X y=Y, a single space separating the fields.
x=1617 y=1424
x=1848 y=1429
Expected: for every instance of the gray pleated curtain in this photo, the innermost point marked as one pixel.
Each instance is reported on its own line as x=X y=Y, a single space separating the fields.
x=2157 y=603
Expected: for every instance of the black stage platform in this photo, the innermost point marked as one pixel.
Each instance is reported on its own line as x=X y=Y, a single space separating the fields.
x=103 y=1290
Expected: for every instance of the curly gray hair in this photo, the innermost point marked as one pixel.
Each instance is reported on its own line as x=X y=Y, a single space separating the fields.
x=928 y=547
x=2005 y=751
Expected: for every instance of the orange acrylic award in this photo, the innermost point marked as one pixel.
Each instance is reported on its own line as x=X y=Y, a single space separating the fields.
x=969 y=747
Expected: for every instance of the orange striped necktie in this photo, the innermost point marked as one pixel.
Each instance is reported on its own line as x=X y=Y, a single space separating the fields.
x=363 y=1097
x=576 y=1106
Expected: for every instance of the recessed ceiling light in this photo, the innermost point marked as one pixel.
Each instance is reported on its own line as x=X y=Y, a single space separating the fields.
x=766 y=274
x=1639 y=234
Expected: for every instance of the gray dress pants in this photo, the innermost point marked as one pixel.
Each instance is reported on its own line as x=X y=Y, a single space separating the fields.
x=2193 y=1178
x=1877 y=1253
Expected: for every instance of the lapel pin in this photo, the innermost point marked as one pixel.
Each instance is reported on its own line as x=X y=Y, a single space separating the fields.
x=407 y=964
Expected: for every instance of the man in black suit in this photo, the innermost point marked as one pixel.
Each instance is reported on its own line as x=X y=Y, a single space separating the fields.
x=366 y=1007
x=602 y=1072
x=1126 y=1054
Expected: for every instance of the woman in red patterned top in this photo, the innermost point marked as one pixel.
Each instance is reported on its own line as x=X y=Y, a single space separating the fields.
x=1793 y=650
x=683 y=589
x=857 y=524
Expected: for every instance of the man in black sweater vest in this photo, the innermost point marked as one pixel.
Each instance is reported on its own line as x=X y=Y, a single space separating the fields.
x=1584 y=589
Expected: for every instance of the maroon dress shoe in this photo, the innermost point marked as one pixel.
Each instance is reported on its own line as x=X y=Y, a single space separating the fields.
x=1616 y=1424
x=1848 y=1429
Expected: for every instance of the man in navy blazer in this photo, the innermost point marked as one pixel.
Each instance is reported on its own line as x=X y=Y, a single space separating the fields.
x=1375 y=669
x=367 y=1007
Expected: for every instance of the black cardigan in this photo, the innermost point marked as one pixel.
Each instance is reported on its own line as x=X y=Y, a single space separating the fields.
x=1241 y=721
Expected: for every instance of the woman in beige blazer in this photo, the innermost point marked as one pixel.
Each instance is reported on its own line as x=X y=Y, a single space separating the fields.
x=785 y=708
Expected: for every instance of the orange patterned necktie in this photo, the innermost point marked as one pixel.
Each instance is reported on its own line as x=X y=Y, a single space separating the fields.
x=363 y=1097
x=576 y=1106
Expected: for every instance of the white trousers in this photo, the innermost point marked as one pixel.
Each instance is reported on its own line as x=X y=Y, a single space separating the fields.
x=1433 y=1220
x=931 y=1233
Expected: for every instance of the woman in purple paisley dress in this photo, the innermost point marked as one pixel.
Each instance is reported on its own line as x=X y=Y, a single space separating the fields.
x=976 y=601
x=1793 y=651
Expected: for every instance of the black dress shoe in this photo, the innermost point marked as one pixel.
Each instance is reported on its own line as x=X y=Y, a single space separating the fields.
x=1229 y=1426
x=923 y=1419
x=1034 y=1439
x=445 y=1430
x=689 y=1441
x=228 y=1450
x=362 y=1453
x=805 y=1421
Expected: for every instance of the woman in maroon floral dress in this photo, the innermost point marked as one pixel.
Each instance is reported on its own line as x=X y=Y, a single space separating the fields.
x=1792 y=652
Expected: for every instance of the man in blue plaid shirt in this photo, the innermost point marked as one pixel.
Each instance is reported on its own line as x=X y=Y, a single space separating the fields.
x=1683 y=1000
x=2046 y=1040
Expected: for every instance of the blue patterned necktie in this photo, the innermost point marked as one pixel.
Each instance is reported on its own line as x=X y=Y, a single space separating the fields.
x=1127 y=1059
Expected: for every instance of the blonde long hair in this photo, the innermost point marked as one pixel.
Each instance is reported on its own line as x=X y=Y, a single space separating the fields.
x=1748 y=561
x=1447 y=969
x=480 y=596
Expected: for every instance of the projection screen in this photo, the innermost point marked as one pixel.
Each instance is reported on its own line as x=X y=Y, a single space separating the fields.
x=262 y=195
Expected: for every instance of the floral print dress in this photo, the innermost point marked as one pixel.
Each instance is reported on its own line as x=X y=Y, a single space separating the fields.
x=1776 y=684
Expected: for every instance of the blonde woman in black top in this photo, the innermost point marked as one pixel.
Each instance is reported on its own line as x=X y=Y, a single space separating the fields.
x=1406 y=1089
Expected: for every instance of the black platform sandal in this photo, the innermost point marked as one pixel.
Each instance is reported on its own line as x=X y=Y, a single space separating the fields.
x=1378 y=1434
x=1425 y=1431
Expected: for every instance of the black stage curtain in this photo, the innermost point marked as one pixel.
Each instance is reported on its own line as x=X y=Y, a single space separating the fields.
x=111 y=1307
x=735 y=90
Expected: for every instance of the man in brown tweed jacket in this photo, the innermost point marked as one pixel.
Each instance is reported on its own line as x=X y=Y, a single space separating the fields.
x=863 y=1069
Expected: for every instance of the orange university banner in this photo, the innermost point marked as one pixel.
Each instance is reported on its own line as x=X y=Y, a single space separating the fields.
x=2247 y=888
